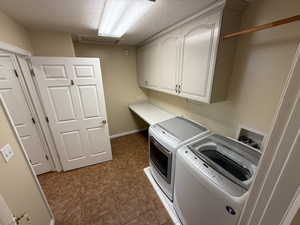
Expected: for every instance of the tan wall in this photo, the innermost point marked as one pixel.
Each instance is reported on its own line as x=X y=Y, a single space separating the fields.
x=40 y=43
x=120 y=83
x=262 y=63
x=18 y=187
x=296 y=220
x=51 y=43
x=13 y=33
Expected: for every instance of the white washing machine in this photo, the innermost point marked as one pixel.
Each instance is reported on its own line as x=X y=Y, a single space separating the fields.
x=212 y=178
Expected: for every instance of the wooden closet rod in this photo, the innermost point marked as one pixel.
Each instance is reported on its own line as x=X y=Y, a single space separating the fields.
x=264 y=26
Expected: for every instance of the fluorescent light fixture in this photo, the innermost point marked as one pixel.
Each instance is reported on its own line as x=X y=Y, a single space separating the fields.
x=120 y=15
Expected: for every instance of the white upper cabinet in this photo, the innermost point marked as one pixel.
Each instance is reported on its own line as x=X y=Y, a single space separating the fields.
x=148 y=62
x=190 y=59
x=200 y=44
x=141 y=69
x=196 y=60
x=158 y=64
x=169 y=50
x=152 y=76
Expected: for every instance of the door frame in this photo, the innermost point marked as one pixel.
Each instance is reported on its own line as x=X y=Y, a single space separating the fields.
x=13 y=49
x=31 y=106
x=40 y=111
x=292 y=210
x=274 y=164
x=14 y=129
x=17 y=52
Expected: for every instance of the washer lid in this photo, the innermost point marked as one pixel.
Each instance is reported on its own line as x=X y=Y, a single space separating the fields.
x=181 y=128
x=231 y=158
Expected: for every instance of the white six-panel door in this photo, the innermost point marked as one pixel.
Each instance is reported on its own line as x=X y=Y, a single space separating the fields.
x=14 y=98
x=72 y=93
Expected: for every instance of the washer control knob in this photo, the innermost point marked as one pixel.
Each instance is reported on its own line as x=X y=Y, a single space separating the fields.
x=230 y=210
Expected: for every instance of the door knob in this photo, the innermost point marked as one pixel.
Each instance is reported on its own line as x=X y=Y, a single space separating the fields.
x=104 y=121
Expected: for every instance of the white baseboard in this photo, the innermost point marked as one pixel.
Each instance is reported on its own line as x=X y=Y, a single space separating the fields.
x=126 y=133
x=52 y=222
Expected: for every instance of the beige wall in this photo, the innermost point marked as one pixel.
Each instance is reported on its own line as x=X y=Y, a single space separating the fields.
x=17 y=183
x=13 y=33
x=51 y=43
x=261 y=66
x=120 y=83
x=40 y=43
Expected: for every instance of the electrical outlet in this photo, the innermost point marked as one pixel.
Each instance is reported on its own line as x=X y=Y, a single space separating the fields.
x=7 y=152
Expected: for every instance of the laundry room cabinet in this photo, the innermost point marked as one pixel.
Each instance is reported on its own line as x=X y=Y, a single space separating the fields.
x=199 y=50
x=149 y=59
x=169 y=47
x=158 y=64
x=190 y=59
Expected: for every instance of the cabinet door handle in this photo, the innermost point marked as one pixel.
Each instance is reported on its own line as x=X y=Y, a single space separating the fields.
x=176 y=86
x=179 y=88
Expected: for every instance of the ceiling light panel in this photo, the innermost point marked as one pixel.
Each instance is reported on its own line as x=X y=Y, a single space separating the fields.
x=120 y=15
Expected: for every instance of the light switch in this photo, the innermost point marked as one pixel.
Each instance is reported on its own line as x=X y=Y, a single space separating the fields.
x=7 y=152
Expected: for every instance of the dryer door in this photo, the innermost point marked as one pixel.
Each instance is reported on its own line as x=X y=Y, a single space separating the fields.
x=161 y=158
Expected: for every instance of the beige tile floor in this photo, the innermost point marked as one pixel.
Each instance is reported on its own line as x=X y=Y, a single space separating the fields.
x=111 y=193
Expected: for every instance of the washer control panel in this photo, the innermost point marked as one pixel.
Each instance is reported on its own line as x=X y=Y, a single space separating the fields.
x=221 y=181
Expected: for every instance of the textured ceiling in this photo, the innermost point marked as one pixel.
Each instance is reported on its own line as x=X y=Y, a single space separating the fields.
x=75 y=16
x=82 y=16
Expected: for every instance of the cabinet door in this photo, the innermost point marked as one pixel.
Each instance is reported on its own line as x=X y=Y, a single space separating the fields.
x=141 y=63
x=169 y=50
x=148 y=66
x=200 y=42
x=153 y=65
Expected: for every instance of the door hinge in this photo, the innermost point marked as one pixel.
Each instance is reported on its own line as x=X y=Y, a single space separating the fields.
x=16 y=73
x=33 y=120
x=46 y=156
x=47 y=119
x=32 y=72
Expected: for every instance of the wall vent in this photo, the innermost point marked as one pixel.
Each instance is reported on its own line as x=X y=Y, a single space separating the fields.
x=97 y=40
